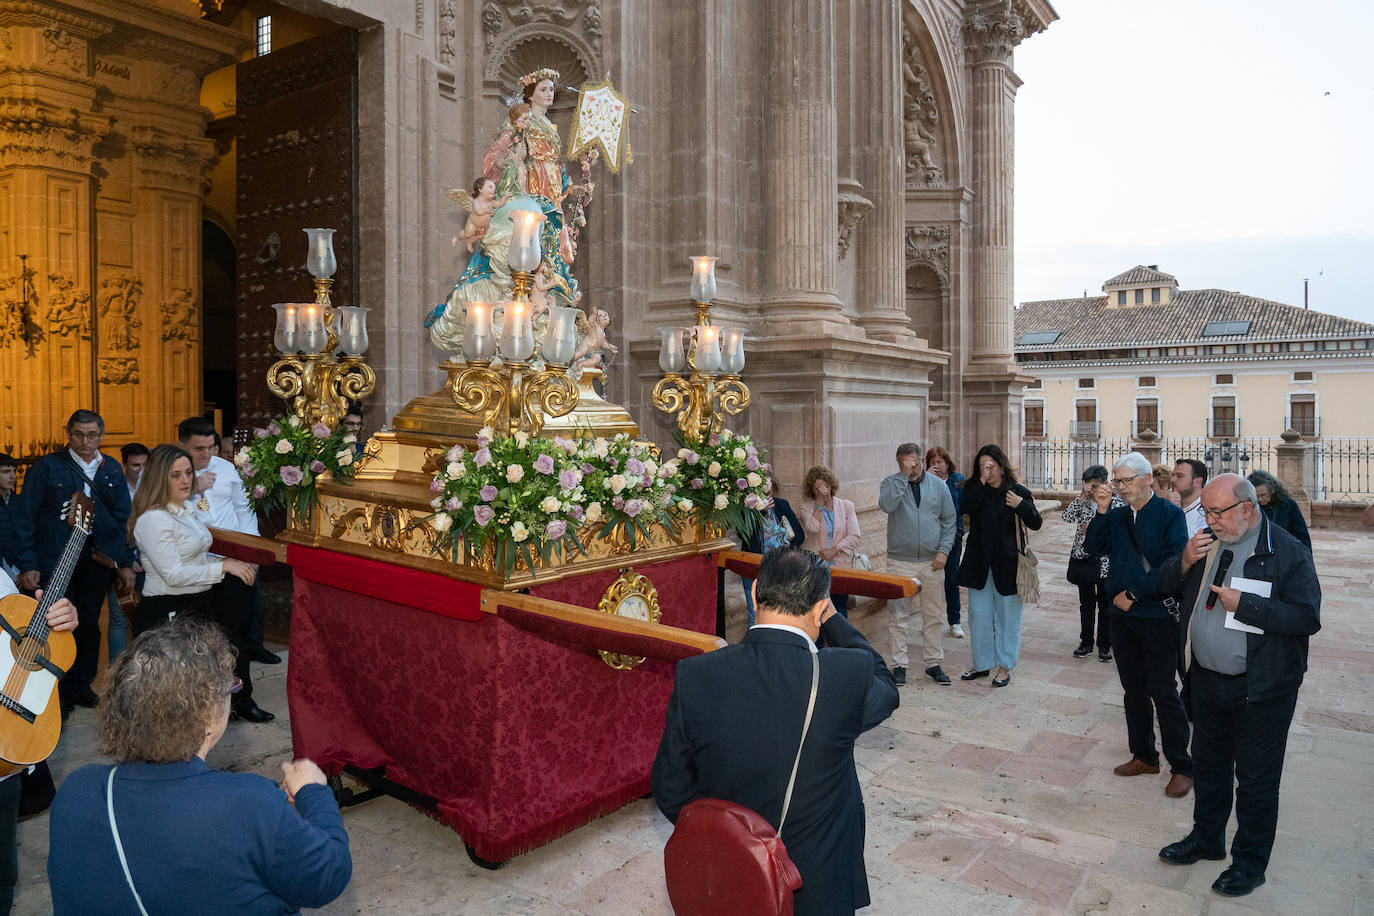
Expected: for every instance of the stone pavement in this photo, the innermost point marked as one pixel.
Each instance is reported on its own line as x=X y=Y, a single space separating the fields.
x=979 y=800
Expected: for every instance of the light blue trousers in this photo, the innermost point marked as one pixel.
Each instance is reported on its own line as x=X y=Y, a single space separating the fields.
x=994 y=627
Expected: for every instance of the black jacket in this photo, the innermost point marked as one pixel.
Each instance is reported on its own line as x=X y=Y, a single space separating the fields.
x=781 y=509
x=1162 y=534
x=38 y=512
x=1276 y=659
x=1288 y=516
x=731 y=732
x=9 y=537
x=994 y=538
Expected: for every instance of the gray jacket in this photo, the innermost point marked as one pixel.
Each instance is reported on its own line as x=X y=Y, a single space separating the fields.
x=917 y=534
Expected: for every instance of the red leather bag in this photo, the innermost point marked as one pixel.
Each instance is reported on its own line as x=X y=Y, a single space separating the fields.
x=725 y=858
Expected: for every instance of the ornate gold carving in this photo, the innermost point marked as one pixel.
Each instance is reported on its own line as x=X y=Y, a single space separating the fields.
x=701 y=402
x=511 y=397
x=318 y=391
x=385 y=527
x=119 y=321
x=180 y=317
x=118 y=370
x=634 y=597
x=69 y=309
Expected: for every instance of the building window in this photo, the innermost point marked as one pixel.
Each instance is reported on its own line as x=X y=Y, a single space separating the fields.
x=1035 y=418
x=1121 y=297
x=264 y=35
x=1224 y=378
x=1223 y=423
x=1146 y=381
x=1087 y=383
x=1085 y=419
x=1146 y=416
x=1302 y=415
x=1302 y=376
x=1140 y=297
x=1154 y=295
x=1035 y=383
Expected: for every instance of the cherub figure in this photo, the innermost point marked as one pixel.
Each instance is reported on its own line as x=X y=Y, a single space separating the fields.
x=540 y=300
x=482 y=204
x=594 y=343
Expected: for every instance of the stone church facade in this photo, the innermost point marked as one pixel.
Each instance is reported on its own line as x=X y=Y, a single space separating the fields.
x=848 y=161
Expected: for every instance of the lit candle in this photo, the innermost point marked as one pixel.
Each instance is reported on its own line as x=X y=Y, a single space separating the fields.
x=352 y=329
x=732 y=361
x=517 y=336
x=560 y=340
x=524 y=244
x=670 y=356
x=312 y=337
x=703 y=279
x=708 y=348
x=285 y=338
x=477 y=339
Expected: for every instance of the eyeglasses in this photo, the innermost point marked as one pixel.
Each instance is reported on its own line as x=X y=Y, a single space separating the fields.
x=1120 y=482
x=1218 y=513
x=90 y=436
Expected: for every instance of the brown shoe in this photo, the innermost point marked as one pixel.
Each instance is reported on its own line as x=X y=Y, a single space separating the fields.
x=1179 y=786
x=1137 y=767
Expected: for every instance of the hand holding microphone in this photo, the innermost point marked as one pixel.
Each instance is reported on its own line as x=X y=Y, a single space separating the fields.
x=1223 y=566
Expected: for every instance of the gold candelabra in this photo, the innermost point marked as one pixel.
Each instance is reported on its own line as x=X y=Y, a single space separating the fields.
x=712 y=390
x=321 y=369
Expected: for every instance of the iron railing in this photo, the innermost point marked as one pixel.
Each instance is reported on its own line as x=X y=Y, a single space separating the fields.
x=1307 y=427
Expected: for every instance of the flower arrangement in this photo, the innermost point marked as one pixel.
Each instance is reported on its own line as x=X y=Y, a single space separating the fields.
x=724 y=479
x=531 y=496
x=282 y=462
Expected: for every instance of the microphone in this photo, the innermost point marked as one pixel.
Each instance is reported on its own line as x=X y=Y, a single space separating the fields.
x=1223 y=564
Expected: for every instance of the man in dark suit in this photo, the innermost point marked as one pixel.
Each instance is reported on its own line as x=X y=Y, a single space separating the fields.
x=1243 y=683
x=735 y=719
x=43 y=534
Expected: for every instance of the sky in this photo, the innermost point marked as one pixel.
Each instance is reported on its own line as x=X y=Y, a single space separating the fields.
x=1231 y=142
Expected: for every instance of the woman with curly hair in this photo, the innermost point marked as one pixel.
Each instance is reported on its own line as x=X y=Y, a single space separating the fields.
x=162 y=832
x=832 y=526
x=1276 y=503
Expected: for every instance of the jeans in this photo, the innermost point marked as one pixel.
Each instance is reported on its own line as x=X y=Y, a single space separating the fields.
x=1092 y=602
x=1147 y=663
x=748 y=598
x=994 y=622
x=118 y=634
x=952 y=580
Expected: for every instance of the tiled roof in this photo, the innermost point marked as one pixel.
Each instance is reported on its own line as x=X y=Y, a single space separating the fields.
x=1140 y=275
x=1088 y=323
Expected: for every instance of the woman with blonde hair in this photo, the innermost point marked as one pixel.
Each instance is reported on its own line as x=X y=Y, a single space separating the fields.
x=832 y=526
x=162 y=832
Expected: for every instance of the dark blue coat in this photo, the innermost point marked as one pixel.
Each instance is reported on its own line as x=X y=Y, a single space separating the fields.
x=38 y=512
x=732 y=728
x=9 y=538
x=1161 y=532
x=781 y=509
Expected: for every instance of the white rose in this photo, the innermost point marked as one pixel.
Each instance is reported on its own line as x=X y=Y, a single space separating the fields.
x=241 y=458
x=684 y=505
x=519 y=532
x=522 y=438
x=294 y=421
x=714 y=469
x=549 y=504
x=593 y=513
x=345 y=457
x=683 y=453
x=515 y=473
x=486 y=433
x=726 y=435
x=284 y=446
x=722 y=501
x=650 y=467
x=456 y=469
x=442 y=522
x=601 y=447
x=739 y=454
x=617 y=483
x=754 y=479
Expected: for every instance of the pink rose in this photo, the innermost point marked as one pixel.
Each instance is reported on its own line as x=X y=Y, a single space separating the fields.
x=555 y=529
x=316 y=466
x=319 y=431
x=259 y=491
x=483 y=515
x=291 y=475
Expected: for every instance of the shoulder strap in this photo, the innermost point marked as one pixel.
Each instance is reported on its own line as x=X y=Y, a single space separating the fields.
x=95 y=490
x=810 y=708
x=119 y=847
x=1130 y=529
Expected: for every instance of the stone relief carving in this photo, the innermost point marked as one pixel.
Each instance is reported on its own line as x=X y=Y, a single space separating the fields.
x=173 y=160
x=853 y=208
x=179 y=83
x=927 y=245
x=118 y=370
x=18 y=302
x=180 y=318
x=446 y=34
x=499 y=15
x=420 y=17
x=954 y=31
x=34 y=132
x=64 y=49
x=118 y=307
x=69 y=308
x=920 y=117
x=992 y=33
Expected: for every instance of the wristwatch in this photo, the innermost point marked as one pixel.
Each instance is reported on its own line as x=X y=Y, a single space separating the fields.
x=1130 y=596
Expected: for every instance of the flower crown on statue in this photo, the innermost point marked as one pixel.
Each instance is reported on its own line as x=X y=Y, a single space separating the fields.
x=538 y=76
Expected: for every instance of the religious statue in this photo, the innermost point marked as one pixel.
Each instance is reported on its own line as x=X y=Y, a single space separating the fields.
x=594 y=343
x=481 y=205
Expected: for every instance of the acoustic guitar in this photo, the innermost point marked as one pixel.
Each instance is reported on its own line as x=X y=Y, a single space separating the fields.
x=33 y=658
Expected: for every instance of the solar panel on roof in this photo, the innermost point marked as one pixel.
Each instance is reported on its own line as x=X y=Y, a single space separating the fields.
x=1038 y=338
x=1226 y=328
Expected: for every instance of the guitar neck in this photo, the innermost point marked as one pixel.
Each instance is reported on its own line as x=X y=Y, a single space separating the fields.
x=57 y=583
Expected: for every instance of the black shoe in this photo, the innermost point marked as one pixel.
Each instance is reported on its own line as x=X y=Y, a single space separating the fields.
x=1187 y=851
x=1105 y=655
x=254 y=713
x=937 y=675
x=899 y=675
x=262 y=655
x=1237 y=881
x=973 y=673
x=85 y=696
x=1083 y=651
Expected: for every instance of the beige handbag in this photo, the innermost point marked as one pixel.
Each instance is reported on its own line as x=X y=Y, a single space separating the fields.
x=1027 y=571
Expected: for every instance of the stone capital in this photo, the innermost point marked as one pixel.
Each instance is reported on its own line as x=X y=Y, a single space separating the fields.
x=36 y=133
x=992 y=31
x=174 y=161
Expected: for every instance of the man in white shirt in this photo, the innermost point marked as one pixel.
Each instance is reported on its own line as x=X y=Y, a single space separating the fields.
x=1187 y=480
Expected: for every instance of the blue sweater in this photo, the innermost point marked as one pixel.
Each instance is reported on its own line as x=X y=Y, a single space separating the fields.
x=197 y=841
x=1162 y=533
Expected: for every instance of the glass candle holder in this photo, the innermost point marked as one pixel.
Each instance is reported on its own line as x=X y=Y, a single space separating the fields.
x=478 y=340
x=708 y=348
x=703 y=278
x=352 y=329
x=732 y=357
x=526 y=222
x=311 y=334
x=560 y=340
x=670 y=355
x=517 y=334
x=319 y=260
x=285 y=338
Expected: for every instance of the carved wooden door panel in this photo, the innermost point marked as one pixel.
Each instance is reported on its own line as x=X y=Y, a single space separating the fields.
x=297 y=168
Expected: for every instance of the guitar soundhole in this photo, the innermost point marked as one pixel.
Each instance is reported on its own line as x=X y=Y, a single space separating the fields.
x=17 y=646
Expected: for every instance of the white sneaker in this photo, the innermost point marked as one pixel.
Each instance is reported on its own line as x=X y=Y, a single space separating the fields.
x=956 y=631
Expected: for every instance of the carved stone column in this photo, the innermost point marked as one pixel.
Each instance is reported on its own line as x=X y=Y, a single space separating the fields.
x=800 y=177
